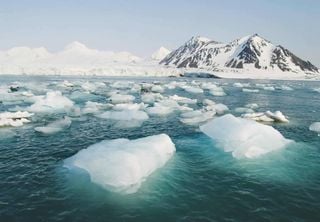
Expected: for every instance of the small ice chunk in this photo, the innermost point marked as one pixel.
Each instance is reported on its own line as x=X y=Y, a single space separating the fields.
x=252 y=106
x=208 y=102
x=181 y=99
x=277 y=116
x=157 y=89
x=192 y=89
x=150 y=98
x=269 y=88
x=243 y=110
x=55 y=126
x=196 y=117
x=127 y=115
x=14 y=119
x=129 y=106
x=120 y=98
x=159 y=110
x=250 y=90
x=315 y=127
x=286 y=88
x=242 y=137
x=94 y=107
x=52 y=102
x=122 y=165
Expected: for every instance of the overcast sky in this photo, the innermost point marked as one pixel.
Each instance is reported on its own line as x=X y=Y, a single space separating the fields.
x=142 y=26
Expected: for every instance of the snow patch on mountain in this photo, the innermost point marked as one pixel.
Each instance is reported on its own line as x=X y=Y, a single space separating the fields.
x=160 y=54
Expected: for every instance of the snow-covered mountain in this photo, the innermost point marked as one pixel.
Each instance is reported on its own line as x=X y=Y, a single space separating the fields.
x=250 y=53
x=160 y=54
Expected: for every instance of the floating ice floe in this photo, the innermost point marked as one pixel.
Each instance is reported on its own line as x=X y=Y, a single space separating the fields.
x=250 y=90
x=284 y=87
x=267 y=117
x=181 y=99
x=52 y=102
x=193 y=89
x=159 y=110
x=55 y=126
x=120 y=98
x=125 y=115
x=242 y=137
x=14 y=119
x=157 y=89
x=150 y=98
x=218 y=108
x=129 y=106
x=196 y=117
x=94 y=107
x=315 y=127
x=217 y=91
x=241 y=85
x=252 y=106
x=122 y=165
x=243 y=110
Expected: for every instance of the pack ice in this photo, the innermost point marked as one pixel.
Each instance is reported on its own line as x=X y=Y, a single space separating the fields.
x=244 y=138
x=121 y=165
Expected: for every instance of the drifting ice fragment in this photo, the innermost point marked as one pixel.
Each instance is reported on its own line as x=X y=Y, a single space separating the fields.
x=55 y=126
x=242 y=137
x=315 y=127
x=121 y=165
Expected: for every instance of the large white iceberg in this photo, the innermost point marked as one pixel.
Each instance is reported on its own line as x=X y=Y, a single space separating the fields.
x=242 y=137
x=121 y=165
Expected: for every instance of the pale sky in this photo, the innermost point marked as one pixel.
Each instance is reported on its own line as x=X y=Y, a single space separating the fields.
x=142 y=26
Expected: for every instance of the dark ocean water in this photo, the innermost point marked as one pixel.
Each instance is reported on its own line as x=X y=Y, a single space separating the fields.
x=200 y=183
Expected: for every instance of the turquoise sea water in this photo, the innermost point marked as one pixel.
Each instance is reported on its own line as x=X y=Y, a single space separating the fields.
x=200 y=183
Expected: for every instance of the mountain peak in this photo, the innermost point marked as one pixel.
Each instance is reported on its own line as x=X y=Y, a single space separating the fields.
x=250 y=52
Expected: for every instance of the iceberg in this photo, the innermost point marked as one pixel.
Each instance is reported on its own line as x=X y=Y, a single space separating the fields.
x=244 y=138
x=122 y=165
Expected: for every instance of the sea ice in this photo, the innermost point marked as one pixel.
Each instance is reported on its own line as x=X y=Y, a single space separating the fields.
x=122 y=165
x=120 y=98
x=242 y=137
x=125 y=115
x=267 y=117
x=52 y=102
x=315 y=127
x=14 y=119
x=55 y=126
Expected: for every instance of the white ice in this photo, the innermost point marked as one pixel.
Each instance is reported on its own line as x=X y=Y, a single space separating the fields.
x=122 y=165
x=55 y=126
x=315 y=127
x=52 y=102
x=242 y=137
x=14 y=119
